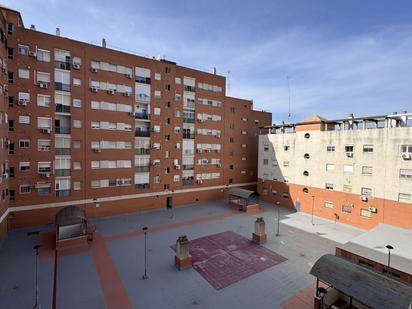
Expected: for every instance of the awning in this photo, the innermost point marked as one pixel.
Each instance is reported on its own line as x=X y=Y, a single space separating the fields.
x=70 y=215
x=240 y=192
x=367 y=286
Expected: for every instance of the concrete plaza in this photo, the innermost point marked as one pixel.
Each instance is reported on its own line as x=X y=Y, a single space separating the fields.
x=107 y=273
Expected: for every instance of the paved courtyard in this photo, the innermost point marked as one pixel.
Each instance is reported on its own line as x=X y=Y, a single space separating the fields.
x=107 y=273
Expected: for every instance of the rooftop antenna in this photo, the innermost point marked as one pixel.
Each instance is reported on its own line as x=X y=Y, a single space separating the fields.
x=289 y=114
x=228 y=82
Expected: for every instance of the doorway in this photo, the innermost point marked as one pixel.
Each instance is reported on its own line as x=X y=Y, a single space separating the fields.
x=169 y=202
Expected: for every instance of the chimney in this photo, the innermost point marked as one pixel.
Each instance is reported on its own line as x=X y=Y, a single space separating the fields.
x=58 y=31
x=32 y=27
x=104 y=43
x=214 y=70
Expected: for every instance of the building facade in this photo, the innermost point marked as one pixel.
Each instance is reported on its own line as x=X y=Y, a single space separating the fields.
x=113 y=132
x=355 y=170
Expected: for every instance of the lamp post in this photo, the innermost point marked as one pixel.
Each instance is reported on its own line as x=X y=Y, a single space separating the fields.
x=389 y=247
x=36 y=299
x=313 y=206
x=145 y=276
x=321 y=294
x=278 y=204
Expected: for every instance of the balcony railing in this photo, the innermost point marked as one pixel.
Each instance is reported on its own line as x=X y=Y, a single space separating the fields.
x=188 y=120
x=142 y=133
x=188 y=135
x=62 y=172
x=142 y=80
x=142 y=186
x=63 y=192
x=63 y=130
x=62 y=65
x=189 y=88
x=60 y=108
x=142 y=168
x=62 y=151
x=190 y=105
x=141 y=115
x=44 y=191
x=62 y=87
x=142 y=151
x=186 y=182
x=188 y=167
x=141 y=97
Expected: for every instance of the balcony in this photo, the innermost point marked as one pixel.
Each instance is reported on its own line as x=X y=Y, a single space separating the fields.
x=143 y=80
x=188 y=120
x=62 y=172
x=142 y=133
x=188 y=167
x=141 y=97
x=63 y=192
x=142 y=151
x=60 y=108
x=62 y=151
x=142 y=186
x=62 y=65
x=62 y=130
x=189 y=105
x=190 y=88
x=141 y=116
x=142 y=168
x=188 y=135
x=187 y=182
x=62 y=87
x=44 y=191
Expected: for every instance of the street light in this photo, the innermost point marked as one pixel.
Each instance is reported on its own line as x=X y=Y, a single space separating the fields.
x=36 y=300
x=389 y=247
x=278 y=203
x=313 y=206
x=321 y=294
x=145 y=276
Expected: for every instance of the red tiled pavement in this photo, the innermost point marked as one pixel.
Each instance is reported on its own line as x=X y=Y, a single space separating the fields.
x=301 y=300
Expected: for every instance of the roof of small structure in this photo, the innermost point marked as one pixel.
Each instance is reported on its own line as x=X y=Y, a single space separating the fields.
x=367 y=286
x=313 y=118
x=70 y=215
x=240 y=192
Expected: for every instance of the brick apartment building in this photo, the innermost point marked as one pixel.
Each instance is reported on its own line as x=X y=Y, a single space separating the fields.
x=355 y=170
x=112 y=132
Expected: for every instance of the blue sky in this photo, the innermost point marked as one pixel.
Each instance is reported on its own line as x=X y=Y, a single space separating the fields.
x=342 y=57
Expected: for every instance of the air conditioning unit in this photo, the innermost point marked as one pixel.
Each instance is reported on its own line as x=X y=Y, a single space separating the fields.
x=43 y=85
x=3 y=70
x=97 y=150
x=94 y=70
x=199 y=120
x=128 y=75
x=349 y=154
x=177 y=166
x=76 y=66
x=120 y=182
x=219 y=165
x=5 y=175
x=208 y=150
x=373 y=209
x=23 y=102
x=199 y=181
x=111 y=91
x=364 y=198
x=47 y=175
x=156 y=163
x=406 y=156
x=32 y=54
x=94 y=89
x=131 y=114
x=46 y=130
x=199 y=150
x=126 y=94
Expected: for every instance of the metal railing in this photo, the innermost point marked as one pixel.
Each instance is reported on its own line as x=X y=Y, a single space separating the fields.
x=142 y=133
x=142 y=186
x=63 y=192
x=62 y=151
x=142 y=168
x=141 y=115
x=142 y=151
x=62 y=172
x=60 y=108
x=188 y=120
x=63 y=130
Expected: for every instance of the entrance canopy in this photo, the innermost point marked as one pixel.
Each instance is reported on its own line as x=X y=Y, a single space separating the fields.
x=242 y=193
x=367 y=286
x=70 y=222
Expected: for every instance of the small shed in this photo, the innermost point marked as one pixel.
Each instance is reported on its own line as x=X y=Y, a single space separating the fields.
x=354 y=284
x=70 y=222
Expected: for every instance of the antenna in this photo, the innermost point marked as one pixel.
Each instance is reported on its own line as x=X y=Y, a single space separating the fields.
x=228 y=82
x=289 y=114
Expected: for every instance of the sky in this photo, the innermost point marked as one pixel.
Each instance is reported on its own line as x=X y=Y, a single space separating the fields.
x=339 y=56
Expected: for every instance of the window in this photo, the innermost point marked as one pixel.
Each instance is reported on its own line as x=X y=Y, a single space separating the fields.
x=330 y=148
x=328 y=204
x=77 y=144
x=11 y=101
x=11 y=125
x=367 y=148
x=349 y=149
x=24 y=189
x=23 y=73
x=43 y=145
x=405 y=198
x=156 y=111
x=23 y=50
x=329 y=186
x=232 y=109
x=406 y=149
x=10 y=53
x=285 y=163
x=307 y=135
x=62 y=80
x=77 y=165
x=77 y=185
x=77 y=103
x=265 y=161
x=347 y=209
x=157 y=93
x=367 y=170
x=306 y=156
x=347 y=188
x=43 y=55
x=10 y=28
x=168 y=70
x=348 y=168
x=285 y=195
x=43 y=100
x=77 y=82
x=305 y=190
x=405 y=174
x=10 y=76
x=365 y=213
x=24 y=119
x=366 y=192
x=305 y=173
x=77 y=124
x=330 y=167
x=24 y=143
x=231 y=140
x=24 y=166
